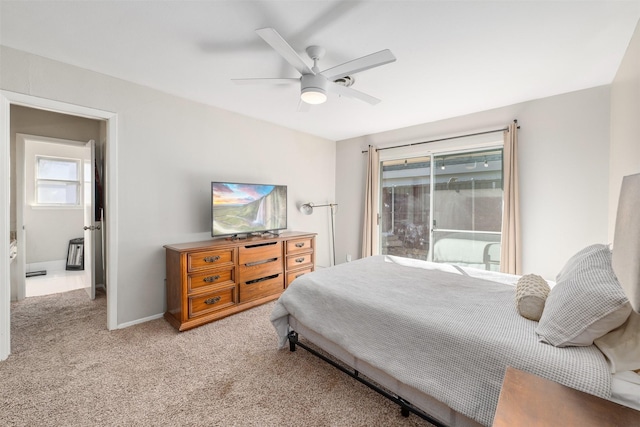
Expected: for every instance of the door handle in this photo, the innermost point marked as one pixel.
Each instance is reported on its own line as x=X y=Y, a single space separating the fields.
x=92 y=227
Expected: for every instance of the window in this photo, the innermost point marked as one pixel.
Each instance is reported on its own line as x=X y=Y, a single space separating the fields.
x=444 y=207
x=58 y=181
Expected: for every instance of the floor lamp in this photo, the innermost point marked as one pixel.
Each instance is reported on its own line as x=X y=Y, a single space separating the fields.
x=307 y=209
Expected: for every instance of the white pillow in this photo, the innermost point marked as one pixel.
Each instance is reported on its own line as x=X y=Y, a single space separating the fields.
x=586 y=302
x=622 y=345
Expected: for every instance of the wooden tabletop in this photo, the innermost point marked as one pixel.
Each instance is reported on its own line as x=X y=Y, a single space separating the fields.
x=527 y=400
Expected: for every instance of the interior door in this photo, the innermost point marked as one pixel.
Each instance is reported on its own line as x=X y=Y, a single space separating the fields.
x=89 y=219
x=18 y=269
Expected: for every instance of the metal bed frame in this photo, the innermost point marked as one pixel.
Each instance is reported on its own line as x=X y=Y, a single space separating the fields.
x=406 y=408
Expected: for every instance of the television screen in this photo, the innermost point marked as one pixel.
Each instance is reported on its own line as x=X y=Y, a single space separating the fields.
x=247 y=208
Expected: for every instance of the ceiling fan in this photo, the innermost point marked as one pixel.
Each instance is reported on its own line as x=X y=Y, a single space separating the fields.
x=314 y=84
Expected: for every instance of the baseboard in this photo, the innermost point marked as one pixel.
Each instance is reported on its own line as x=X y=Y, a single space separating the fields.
x=138 y=321
x=58 y=265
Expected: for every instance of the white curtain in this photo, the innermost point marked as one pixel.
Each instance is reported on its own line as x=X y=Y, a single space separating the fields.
x=372 y=191
x=511 y=248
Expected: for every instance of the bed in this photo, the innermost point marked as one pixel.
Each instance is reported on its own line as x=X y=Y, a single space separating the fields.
x=437 y=338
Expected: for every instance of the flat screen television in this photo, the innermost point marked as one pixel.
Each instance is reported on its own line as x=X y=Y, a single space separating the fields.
x=238 y=208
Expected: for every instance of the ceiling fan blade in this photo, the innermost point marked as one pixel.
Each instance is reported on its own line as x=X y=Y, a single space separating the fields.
x=303 y=107
x=265 y=81
x=352 y=93
x=360 y=64
x=280 y=45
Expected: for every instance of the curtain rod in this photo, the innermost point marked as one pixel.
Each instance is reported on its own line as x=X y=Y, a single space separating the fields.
x=444 y=139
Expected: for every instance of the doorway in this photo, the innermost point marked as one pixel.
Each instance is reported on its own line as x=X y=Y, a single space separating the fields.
x=109 y=120
x=56 y=189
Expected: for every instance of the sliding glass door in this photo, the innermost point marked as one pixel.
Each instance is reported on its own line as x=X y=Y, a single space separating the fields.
x=467 y=209
x=405 y=207
x=445 y=207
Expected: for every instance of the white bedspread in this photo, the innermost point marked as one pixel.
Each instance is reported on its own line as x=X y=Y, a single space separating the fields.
x=449 y=335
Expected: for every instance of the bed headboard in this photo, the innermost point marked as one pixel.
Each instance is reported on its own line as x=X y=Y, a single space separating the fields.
x=626 y=240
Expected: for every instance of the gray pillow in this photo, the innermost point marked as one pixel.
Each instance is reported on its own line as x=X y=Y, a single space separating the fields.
x=586 y=302
x=577 y=261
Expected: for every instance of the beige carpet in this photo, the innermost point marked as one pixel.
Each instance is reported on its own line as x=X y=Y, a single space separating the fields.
x=66 y=369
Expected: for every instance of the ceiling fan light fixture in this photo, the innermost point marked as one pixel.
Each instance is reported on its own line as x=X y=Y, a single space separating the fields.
x=314 y=89
x=313 y=96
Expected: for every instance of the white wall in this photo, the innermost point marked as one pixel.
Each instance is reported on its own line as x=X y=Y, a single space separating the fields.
x=169 y=150
x=625 y=123
x=564 y=169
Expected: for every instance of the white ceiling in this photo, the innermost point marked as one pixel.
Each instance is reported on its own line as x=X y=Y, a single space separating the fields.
x=453 y=57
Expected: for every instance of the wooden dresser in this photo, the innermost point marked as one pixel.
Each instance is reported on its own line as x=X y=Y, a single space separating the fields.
x=216 y=278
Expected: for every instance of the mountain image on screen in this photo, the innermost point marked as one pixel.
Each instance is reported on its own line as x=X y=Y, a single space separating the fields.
x=248 y=208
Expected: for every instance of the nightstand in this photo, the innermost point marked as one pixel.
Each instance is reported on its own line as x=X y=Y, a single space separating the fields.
x=527 y=400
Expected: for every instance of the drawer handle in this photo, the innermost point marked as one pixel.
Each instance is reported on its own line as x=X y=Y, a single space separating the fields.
x=262 y=279
x=251 y=264
x=211 y=258
x=299 y=260
x=211 y=279
x=300 y=245
x=213 y=300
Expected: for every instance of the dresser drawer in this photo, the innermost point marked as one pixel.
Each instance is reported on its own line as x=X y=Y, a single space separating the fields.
x=296 y=261
x=207 y=259
x=199 y=280
x=255 y=253
x=293 y=275
x=299 y=245
x=262 y=287
x=257 y=271
x=200 y=305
